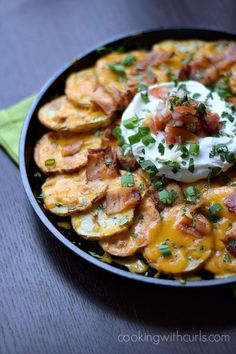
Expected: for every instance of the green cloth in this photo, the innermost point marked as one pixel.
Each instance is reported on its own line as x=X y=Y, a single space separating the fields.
x=11 y=120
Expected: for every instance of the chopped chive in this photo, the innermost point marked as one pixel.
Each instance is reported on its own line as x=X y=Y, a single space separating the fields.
x=194 y=149
x=147 y=140
x=201 y=109
x=118 y=135
x=167 y=196
x=228 y=116
x=50 y=162
x=144 y=96
x=128 y=60
x=131 y=123
x=117 y=69
x=165 y=249
x=191 y=195
x=191 y=165
x=127 y=180
x=161 y=149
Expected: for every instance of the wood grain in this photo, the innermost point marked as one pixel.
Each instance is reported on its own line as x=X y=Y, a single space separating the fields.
x=50 y=300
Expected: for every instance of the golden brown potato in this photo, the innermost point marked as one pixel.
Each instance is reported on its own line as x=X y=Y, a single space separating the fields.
x=130 y=241
x=58 y=152
x=80 y=87
x=96 y=224
x=115 y=72
x=66 y=194
x=174 y=249
x=61 y=115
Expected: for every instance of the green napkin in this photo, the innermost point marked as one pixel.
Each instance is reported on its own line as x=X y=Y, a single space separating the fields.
x=11 y=120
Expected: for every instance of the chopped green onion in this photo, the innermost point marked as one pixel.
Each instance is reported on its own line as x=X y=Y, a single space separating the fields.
x=37 y=174
x=147 y=140
x=215 y=208
x=50 y=162
x=131 y=123
x=228 y=116
x=144 y=96
x=127 y=180
x=191 y=195
x=161 y=148
x=191 y=165
x=167 y=196
x=165 y=249
x=184 y=150
x=117 y=69
x=194 y=149
x=118 y=135
x=142 y=87
x=128 y=60
x=148 y=166
x=196 y=95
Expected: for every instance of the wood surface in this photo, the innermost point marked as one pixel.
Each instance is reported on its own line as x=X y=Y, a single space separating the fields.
x=51 y=301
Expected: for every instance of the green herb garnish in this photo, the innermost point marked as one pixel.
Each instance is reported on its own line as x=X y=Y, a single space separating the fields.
x=167 y=196
x=50 y=162
x=191 y=195
x=127 y=180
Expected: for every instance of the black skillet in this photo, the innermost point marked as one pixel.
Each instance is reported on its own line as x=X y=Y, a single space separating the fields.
x=33 y=130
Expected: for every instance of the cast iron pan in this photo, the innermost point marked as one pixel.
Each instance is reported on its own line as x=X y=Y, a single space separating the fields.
x=33 y=130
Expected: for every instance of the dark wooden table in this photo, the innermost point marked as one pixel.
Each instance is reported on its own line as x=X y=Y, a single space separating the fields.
x=50 y=300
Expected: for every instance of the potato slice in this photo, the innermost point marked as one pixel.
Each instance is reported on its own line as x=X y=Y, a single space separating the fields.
x=116 y=83
x=58 y=152
x=67 y=194
x=80 y=87
x=221 y=263
x=96 y=224
x=171 y=250
x=130 y=241
x=60 y=114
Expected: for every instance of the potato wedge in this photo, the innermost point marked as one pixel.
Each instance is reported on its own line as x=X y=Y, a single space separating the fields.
x=171 y=250
x=58 y=152
x=116 y=77
x=130 y=241
x=61 y=115
x=80 y=87
x=96 y=224
x=67 y=194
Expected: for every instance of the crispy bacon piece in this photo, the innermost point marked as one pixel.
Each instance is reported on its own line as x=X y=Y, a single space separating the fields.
x=230 y=240
x=199 y=226
x=101 y=164
x=178 y=135
x=103 y=100
x=121 y=99
x=213 y=122
x=121 y=199
x=127 y=162
x=155 y=58
x=230 y=202
x=159 y=92
x=71 y=149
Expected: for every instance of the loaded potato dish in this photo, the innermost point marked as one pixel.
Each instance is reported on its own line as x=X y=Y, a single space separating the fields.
x=139 y=158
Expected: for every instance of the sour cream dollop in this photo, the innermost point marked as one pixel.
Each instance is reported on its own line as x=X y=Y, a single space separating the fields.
x=212 y=157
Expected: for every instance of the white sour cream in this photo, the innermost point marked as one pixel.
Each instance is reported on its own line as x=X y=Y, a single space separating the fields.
x=203 y=163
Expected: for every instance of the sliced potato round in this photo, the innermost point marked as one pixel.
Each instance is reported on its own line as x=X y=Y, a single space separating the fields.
x=114 y=76
x=67 y=194
x=171 y=250
x=58 y=152
x=80 y=87
x=60 y=114
x=130 y=241
x=96 y=224
x=221 y=263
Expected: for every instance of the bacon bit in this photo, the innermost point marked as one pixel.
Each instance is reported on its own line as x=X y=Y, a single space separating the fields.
x=107 y=138
x=71 y=149
x=151 y=124
x=121 y=99
x=230 y=240
x=96 y=166
x=121 y=199
x=213 y=122
x=178 y=135
x=103 y=100
x=163 y=116
x=230 y=202
x=155 y=58
x=159 y=92
x=126 y=162
x=198 y=227
x=184 y=72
